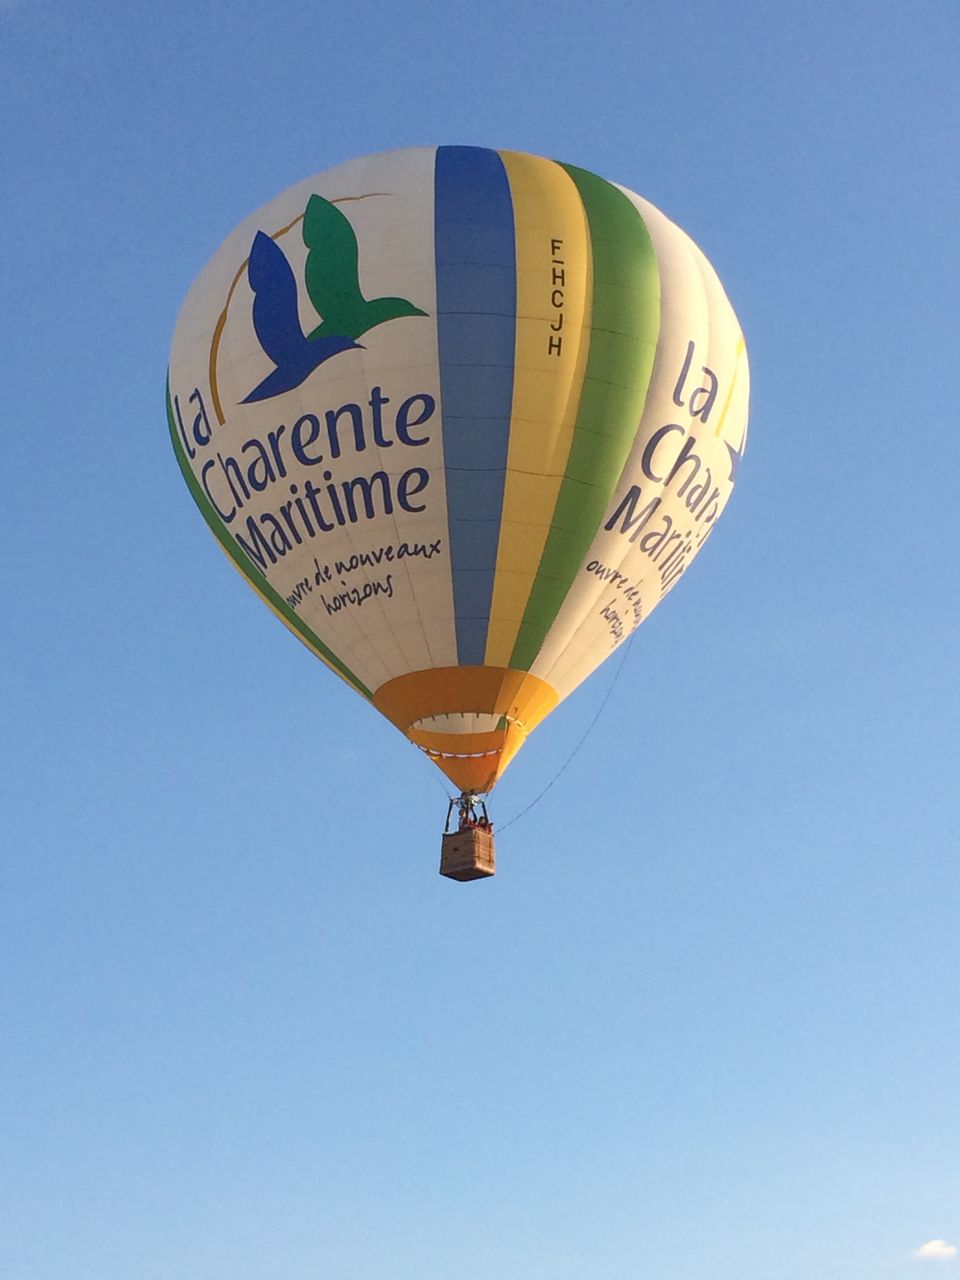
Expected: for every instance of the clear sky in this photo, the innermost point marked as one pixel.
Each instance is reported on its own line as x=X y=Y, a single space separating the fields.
x=703 y=1025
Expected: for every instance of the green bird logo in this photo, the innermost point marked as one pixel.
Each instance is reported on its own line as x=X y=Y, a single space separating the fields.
x=332 y=276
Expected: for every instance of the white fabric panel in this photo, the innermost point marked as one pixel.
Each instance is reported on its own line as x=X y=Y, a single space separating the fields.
x=376 y=590
x=677 y=478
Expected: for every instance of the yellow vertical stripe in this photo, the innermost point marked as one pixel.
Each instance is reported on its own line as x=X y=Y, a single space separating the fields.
x=554 y=292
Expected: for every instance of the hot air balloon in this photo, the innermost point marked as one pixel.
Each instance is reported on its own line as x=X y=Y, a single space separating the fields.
x=462 y=418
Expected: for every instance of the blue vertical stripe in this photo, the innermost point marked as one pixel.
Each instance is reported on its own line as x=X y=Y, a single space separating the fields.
x=476 y=328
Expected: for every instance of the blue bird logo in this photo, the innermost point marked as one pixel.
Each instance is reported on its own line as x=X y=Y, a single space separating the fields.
x=277 y=323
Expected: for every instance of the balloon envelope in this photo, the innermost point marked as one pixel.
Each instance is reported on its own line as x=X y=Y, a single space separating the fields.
x=462 y=418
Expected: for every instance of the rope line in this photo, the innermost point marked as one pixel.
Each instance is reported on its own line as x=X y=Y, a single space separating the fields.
x=589 y=729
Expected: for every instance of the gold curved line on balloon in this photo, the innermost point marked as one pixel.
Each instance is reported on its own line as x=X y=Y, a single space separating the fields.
x=741 y=347
x=222 y=318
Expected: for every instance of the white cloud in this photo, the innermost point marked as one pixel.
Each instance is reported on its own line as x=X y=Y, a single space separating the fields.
x=938 y=1250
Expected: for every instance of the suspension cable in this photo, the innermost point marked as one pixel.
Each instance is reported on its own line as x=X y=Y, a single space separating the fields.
x=586 y=735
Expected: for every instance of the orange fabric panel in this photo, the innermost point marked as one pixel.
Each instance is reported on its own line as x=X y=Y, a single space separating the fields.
x=437 y=691
x=473 y=761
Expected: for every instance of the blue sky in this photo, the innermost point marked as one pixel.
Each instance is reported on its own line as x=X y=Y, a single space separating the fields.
x=703 y=1024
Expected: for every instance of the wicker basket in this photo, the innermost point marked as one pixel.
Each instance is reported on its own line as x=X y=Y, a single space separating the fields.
x=468 y=855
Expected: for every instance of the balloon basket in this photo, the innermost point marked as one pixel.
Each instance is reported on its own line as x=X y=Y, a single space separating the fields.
x=467 y=855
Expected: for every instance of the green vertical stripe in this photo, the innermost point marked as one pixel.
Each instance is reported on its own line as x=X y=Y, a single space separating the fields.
x=243 y=563
x=624 y=327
